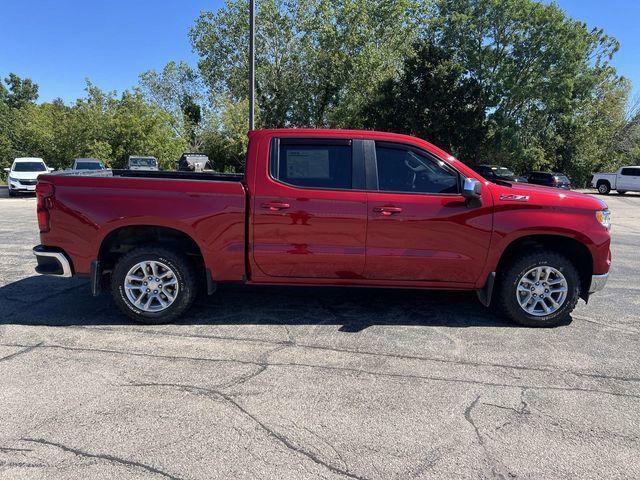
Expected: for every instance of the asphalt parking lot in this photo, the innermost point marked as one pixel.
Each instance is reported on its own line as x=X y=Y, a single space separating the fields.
x=295 y=383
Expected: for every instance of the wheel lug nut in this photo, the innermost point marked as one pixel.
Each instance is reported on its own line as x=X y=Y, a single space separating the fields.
x=546 y=290
x=157 y=279
x=145 y=283
x=148 y=290
x=155 y=291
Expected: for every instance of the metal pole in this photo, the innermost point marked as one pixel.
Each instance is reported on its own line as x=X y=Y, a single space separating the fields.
x=252 y=62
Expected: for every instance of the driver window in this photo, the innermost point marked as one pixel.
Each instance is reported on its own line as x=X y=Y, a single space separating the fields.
x=404 y=170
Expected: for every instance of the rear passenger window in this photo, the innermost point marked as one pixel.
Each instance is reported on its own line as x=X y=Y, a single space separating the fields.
x=313 y=164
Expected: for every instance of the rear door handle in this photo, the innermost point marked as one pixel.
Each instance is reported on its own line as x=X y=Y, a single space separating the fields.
x=275 y=206
x=389 y=210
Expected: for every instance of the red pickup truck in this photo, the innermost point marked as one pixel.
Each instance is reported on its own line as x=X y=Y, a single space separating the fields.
x=325 y=207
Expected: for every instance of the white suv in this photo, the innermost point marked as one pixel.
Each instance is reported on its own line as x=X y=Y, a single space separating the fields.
x=23 y=174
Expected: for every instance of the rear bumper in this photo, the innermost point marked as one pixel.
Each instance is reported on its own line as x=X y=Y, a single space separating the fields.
x=598 y=282
x=52 y=261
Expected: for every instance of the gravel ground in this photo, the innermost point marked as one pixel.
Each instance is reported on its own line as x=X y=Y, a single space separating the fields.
x=297 y=383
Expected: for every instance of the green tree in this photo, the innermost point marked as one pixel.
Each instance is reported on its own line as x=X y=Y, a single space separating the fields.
x=434 y=99
x=178 y=90
x=545 y=79
x=21 y=91
x=317 y=61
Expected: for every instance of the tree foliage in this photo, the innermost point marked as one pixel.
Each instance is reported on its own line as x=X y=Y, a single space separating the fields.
x=433 y=98
x=317 y=61
x=100 y=125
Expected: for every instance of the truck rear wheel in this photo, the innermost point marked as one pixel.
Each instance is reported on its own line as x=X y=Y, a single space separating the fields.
x=604 y=188
x=153 y=284
x=540 y=289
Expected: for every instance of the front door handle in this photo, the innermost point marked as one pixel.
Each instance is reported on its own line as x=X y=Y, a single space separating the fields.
x=388 y=210
x=275 y=206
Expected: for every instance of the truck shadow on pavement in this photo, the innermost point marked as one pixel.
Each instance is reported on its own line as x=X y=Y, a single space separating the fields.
x=54 y=302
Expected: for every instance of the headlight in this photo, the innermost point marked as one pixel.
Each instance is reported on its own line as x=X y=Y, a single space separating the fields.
x=12 y=179
x=604 y=217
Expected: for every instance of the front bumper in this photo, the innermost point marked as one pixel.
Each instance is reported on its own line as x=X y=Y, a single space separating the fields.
x=598 y=282
x=17 y=186
x=52 y=261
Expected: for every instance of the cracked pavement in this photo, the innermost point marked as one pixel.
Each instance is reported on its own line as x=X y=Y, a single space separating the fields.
x=326 y=383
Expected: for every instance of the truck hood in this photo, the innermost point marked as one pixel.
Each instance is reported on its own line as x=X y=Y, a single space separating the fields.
x=545 y=196
x=26 y=175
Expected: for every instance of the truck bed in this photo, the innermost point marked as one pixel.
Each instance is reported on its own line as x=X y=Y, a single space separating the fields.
x=208 y=207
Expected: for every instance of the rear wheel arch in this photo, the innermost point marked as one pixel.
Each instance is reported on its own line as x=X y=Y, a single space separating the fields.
x=122 y=240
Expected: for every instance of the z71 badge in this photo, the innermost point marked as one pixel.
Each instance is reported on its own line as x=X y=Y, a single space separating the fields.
x=515 y=198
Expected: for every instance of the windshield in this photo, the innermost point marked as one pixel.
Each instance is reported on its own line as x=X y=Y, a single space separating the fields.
x=142 y=162
x=89 y=166
x=29 y=167
x=504 y=172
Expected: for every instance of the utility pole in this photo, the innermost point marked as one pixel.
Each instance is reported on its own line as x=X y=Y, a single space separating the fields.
x=252 y=63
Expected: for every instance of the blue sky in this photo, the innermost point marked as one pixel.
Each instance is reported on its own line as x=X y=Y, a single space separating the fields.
x=60 y=43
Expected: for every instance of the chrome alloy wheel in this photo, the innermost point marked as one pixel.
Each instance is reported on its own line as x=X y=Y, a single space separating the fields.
x=151 y=286
x=542 y=291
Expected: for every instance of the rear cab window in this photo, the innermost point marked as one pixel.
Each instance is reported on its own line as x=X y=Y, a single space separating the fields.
x=313 y=163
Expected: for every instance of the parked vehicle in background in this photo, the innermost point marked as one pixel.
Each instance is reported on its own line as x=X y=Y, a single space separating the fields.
x=549 y=179
x=24 y=173
x=325 y=207
x=87 y=164
x=496 y=172
x=142 y=163
x=193 y=162
x=626 y=179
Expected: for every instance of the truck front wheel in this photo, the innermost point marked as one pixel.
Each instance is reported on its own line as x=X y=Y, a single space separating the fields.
x=540 y=289
x=153 y=284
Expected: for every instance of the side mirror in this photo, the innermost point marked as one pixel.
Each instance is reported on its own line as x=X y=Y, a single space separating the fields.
x=51 y=169
x=8 y=170
x=472 y=192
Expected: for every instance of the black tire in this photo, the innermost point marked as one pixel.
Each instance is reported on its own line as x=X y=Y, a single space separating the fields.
x=506 y=300
x=621 y=192
x=603 y=188
x=12 y=193
x=177 y=262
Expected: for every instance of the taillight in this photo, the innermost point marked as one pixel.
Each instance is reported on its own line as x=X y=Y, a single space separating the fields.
x=45 y=192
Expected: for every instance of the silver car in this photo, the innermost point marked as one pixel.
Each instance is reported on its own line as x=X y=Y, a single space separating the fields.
x=142 y=163
x=87 y=164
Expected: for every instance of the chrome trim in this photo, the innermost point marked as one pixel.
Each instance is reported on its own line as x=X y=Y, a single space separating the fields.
x=598 y=282
x=62 y=259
